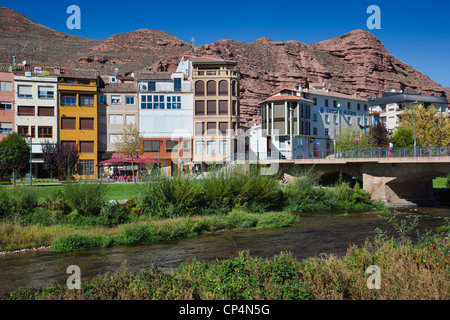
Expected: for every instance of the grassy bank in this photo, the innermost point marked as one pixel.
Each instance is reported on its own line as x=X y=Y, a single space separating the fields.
x=408 y=272
x=77 y=215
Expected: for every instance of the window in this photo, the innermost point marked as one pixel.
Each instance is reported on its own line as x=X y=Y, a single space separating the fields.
x=211 y=107
x=146 y=102
x=33 y=131
x=211 y=88
x=6 y=127
x=171 y=146
x=326 y=102
x=177 y=84
x=158 y=102
x=86 y=146
x=315 y=117
x=129 y=100
x=315 y=131
x=186 y=145
x=199 y=107
x=130 y=119
x=327 y=131
x=69 y=145
x=151 y=86
x=116 y=99
x=25 y=110
x=334 y=103
x=349 y=120
x=45 y=132
x=46 y=111
x=234 y=88
x=22 y=130
x=223 y=107
x=114 y=138
x=211 y=145
x=348 y=105
x=46 y=92
x=223 y=126
x=315 y=100
x=359 y=107
x=223 y=88
x=365 y=107
x=211 y=128
x=68 y=100
x=173 y=102
x=282 y=143
x=234 y=107
x=5 y=86
x=115 y=119
x=86 y=167
x=68 y=123
x=5 y=106
x=199 y=147
x=151 y=145
x=102 y=99
x=335 y=119
x=87 y=123
x=359 y=121
x=199 y=88
x=223 y=146
x=199 y=128
x=327 y=118
x=24 y=91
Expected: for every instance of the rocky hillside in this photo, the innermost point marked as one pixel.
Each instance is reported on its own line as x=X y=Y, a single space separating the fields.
x=356 y=62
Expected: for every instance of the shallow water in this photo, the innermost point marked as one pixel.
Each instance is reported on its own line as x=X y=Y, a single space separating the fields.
x=313 y=235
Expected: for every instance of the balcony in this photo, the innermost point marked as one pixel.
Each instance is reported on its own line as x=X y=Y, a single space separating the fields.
x=216 y=73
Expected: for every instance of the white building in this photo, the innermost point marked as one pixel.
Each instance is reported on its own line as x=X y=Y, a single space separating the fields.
x=391 y=104
x=36 y=100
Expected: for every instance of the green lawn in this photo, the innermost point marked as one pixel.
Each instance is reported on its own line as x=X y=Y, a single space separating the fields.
x=116 y=191
x=440 y=182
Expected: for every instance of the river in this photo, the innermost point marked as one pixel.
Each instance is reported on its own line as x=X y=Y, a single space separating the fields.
x=315 y=233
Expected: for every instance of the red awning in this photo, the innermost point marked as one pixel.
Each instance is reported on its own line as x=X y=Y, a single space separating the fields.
x=145 y=160
x=138 y=160
x=115 y=161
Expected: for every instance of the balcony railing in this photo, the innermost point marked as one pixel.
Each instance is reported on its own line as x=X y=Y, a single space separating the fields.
x=215 y=73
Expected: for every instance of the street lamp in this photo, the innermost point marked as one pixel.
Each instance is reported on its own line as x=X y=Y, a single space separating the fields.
x=415 y=140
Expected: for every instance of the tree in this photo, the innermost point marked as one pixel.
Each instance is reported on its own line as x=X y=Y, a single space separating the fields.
x=59 y=159
x=402 y=138
x=130 y=144
x=345 y=139
x=380 y=135
x=432 y=127
x=14 y=154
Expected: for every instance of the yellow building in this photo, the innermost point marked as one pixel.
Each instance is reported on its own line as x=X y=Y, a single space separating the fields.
x=77 y=102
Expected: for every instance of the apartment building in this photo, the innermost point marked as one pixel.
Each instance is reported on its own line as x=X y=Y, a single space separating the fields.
x=117 y=107
x=332 y=112
x=36 y=101
x=166 y=118
x=7 y=110
x=216 y=109
x=285 y=125
x=391 y=104
x=78 y=121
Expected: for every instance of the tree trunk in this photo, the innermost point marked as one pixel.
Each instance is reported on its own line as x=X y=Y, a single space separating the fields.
x=132 y=169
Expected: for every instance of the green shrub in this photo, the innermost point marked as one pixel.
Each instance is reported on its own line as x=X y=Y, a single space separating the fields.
x=85 y=197
x=78 y=242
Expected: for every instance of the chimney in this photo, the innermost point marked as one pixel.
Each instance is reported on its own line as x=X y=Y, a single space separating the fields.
x=57 y=70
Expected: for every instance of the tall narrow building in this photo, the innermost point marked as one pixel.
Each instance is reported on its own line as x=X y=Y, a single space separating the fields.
x=77 y=100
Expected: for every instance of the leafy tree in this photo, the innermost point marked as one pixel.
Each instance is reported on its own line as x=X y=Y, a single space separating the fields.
x=130 y=144
x=403 y=138
x=432 y=127
x=14 y=154
x=380 y=135
x=345 y=139
x=59 y=159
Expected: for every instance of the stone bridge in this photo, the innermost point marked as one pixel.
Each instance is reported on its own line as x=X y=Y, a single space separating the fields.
x=401 y=182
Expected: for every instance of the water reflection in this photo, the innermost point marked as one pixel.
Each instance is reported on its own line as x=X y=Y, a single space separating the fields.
x=314 y=234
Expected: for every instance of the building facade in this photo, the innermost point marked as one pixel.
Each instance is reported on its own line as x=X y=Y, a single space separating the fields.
x=216 y=109
x=391 y=104
x=36 y=100
x=78 y=121
x=7 y=109
x=165 y=118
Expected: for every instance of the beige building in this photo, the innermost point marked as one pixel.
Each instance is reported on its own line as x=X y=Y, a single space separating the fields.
x=216 y=109
x=117 y=106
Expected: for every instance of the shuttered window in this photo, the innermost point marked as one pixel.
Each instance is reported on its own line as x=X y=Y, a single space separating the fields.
x=211 y=88
x=25 y=111
x=199 y=88
x=24 y=91
x=199 y=128
x=151 y=145
x=46 y=111
x=86 y=146
x=199 y=108
x=87 y=123
x=211 y=128
x=68 y=123
x=211 y=107
x=223 y=126
x=223 y=88
x=223 y=107
x=68 y=145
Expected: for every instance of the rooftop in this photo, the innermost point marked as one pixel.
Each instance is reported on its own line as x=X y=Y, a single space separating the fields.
x=119 y=88
x=394 y=97
x=286 y=98
x=153 y=76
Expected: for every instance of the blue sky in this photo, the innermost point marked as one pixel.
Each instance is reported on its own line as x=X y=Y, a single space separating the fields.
x=416 y=32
